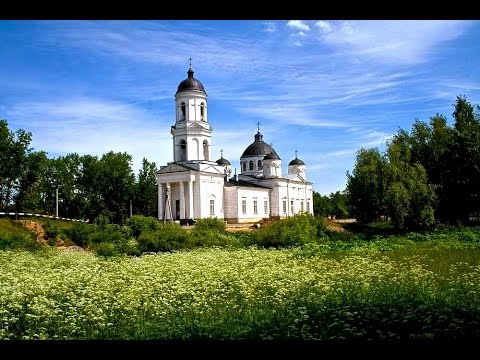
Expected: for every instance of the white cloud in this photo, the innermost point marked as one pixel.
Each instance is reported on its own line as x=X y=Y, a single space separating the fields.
x=397 y=41
x=269 y=26
x=298 y=24
x=92 y=126
x=324 y=26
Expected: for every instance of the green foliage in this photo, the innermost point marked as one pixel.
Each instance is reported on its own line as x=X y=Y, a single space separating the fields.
x=106 y=249
x=79 y=233
x=417 y=291
x=140 y=224
x=322 y=205
x=146 y=191
x=297 y=230
x=15 y=236
x=168 y=237
x=210 y=224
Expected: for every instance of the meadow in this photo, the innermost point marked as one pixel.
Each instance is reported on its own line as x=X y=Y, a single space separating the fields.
x=404 y=288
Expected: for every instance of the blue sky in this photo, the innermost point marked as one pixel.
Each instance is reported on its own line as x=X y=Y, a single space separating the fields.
x=325 y=88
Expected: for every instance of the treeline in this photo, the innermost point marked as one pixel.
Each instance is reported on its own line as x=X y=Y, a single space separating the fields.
x=336 y=205
x=88 y=186
x=426 y=176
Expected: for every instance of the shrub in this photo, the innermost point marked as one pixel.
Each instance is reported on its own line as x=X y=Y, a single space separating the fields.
x=105 y=249
x=79 y=233
x=210 y=224
x=298 y=230
x=140 y=223
x=168 y=237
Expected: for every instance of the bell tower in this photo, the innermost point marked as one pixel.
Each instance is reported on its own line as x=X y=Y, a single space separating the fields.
x=191 y=133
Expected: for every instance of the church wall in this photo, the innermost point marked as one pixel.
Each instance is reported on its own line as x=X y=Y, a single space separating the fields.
x=250 y=195
x=231 y=204
x=210 y=188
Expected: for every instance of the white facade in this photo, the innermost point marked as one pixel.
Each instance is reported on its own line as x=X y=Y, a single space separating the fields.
x=193 y=186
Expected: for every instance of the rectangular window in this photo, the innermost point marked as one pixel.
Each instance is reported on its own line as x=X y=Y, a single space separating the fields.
x=284 y=206
x=212 y=207
x=308 y=206
x=301 y=206
x=291 y=207
x=265 y=207
x=244 y=206
x=255 y=208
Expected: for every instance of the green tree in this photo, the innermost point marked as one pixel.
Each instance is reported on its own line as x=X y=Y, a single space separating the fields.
x=14 y=150
x=409 y=196
x=367 y=184
x=146 y=190
x=339 y=204
x=321 y=205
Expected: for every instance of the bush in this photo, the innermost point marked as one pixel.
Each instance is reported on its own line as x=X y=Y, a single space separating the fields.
x=140 y=223
x=210 y=224
x=168 y=237
x=79 y=233
x=298 y=230
x=106 y=249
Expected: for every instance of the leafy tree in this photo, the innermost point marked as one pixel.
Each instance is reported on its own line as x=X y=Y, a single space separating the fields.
x=367 y=184
x=321 y=205
x=146 y=190
x=339 y=207
x=14 y=150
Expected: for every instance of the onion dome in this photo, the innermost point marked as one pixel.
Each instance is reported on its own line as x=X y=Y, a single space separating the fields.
x=223 y=162
x=296 y=162
x=258 y=147
x=190 y=83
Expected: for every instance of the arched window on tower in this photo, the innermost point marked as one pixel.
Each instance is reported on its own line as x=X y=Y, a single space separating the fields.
x=183 y=111
x=244 y=166
x=250 y=165
x=202 y=111
x=259 y=165
x=183 y=150
x=205 y=150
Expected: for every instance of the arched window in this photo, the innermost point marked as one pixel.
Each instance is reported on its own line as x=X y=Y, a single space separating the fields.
x=183 y=110
x=244 y=166
x=259 y=165
x=205 y=150
x=250 y=165
x=202 y=111
x=183 y=150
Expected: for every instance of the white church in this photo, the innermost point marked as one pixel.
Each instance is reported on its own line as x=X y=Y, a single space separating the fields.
x=194 y=187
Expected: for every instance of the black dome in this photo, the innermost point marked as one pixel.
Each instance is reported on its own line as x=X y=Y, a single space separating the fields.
x=296 y=162
x=272 y=156
x=190 y=83
x=223 y=162
x=258 y=147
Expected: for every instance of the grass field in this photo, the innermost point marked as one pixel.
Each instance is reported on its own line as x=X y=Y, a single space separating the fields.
x=413 y=290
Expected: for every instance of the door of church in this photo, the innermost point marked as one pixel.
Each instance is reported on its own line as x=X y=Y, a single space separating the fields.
x=177 y=209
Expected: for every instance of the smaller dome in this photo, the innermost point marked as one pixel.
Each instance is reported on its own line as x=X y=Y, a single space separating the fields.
x=223 y=162
x=296 y=162
x=272 y=156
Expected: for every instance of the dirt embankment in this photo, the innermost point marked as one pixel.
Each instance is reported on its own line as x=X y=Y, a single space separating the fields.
x=37 y=229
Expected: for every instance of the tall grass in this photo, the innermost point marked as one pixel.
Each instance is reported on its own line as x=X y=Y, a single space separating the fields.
x=299 y=293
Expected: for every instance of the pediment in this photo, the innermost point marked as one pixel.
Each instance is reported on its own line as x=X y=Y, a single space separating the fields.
x=196 y=125
x=173 y=168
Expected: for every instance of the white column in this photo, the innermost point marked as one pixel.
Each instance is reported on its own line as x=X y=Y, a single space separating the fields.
x=160 y=201
x=182 y=201
x=190 y=199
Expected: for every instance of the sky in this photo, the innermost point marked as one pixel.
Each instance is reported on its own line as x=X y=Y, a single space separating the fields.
x=325 y=88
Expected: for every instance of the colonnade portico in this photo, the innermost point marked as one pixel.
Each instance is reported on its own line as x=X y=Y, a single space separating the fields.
x=177 y=190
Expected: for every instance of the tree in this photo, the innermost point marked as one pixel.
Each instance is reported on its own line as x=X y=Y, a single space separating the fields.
x=366 y=185
x=14 y=150
x=146 y=190
x=339 y=208
x=321 y=205
x=409 y=197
